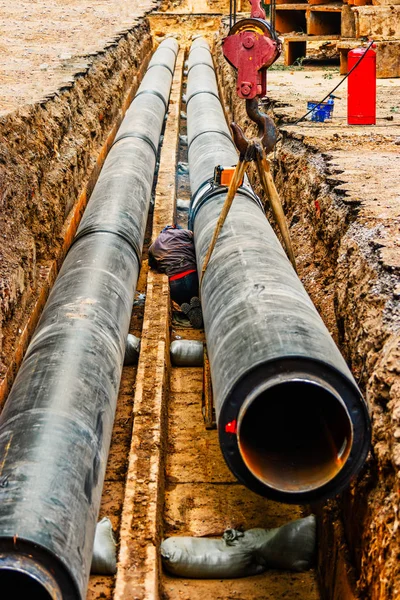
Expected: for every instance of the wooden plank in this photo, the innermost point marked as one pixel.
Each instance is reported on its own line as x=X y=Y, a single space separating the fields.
x=291 y=7
x=343 y=52
x=281 y=2
x=207 y=396
x=378 y=22
x=334 y=7
x=348 y=23
x=310 y=38
x=349 y=44
x=317 y=2
x=385 y=2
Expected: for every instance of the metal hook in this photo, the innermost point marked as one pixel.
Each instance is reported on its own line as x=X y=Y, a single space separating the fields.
x=266 y=127
x=241 y=141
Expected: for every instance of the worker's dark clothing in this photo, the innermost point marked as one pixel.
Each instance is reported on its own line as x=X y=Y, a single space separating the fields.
x=184 y=288
x=173 y=253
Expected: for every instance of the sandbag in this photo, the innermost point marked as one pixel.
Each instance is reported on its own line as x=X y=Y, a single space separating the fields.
x=291 y=547
x=206 y=558
x=104 y=560
x=132 y=350
x=187 y=353
x=240 y=554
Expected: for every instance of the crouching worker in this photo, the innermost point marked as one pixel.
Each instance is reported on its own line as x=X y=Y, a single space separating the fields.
x=173 y=253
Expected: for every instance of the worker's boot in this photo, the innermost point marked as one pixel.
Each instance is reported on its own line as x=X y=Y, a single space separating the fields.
x=193 y=312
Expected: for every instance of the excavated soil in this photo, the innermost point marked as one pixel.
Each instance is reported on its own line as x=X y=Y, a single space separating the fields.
x=340 y=189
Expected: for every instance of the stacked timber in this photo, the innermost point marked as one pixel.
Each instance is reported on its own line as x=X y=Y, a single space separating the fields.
x=347 y=23
x=380 y=22
x=299 y=23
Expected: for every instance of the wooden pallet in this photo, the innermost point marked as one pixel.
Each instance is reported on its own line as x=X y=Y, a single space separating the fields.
x=318 y=19
x=347 y=21
x=295 y=46
x=310 y=2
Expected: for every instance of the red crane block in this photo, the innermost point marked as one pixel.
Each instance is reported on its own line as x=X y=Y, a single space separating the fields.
x=251 y=48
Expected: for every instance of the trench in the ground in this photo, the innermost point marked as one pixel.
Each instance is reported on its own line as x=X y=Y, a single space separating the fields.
x=202 y=497
x=224 y=503
x=194 y=466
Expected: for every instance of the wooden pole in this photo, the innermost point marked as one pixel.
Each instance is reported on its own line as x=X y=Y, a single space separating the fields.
x=264 y=173
x=233 y=188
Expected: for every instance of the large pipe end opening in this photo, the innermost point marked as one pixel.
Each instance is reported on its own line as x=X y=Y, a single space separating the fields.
x=23 y=577
x=295 y=436
x=15 y=584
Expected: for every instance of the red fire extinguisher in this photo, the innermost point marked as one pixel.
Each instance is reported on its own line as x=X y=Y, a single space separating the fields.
x=361 y=98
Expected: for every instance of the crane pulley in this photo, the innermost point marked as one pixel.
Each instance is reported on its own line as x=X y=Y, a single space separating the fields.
x=251 y=47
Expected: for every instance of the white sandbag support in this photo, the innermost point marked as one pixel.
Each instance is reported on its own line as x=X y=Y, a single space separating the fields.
x=240 y=554
x=104 y=560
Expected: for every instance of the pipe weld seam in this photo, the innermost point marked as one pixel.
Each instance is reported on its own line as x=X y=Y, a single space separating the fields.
x=198 y=48
x=202 y=92
x=212 y=131
x=215 y=190
x=154 y=93
x=200 y=64
x=93 y=230
x=161 y=47
x=160 y=65
x=139 y=136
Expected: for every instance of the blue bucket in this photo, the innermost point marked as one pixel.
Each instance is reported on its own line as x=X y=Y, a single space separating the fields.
x=321 y=111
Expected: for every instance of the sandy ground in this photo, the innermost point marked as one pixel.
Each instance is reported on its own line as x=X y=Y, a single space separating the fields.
x=363 y=161
x=292 y=89
x=43 y=44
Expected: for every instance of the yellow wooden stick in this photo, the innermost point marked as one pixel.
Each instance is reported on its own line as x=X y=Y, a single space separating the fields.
x=233 y=188
x=264 y=173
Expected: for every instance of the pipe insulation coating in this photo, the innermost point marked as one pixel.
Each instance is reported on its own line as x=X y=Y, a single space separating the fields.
x=56 y=426
x=292 y=422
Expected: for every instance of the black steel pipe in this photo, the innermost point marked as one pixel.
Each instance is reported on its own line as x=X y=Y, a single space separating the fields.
x=56 y=426
x=292 y=422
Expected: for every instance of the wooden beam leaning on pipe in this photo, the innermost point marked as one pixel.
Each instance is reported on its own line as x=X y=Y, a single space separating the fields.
x=234 y=185
x=251 y=151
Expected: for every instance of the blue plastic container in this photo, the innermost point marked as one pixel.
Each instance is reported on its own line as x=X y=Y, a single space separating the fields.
x=321 y=111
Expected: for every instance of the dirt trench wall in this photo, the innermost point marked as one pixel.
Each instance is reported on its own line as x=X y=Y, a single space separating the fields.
x=356 y=293
x=48 y=152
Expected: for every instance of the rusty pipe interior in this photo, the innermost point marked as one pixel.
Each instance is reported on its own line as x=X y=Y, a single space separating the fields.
x=294 y=435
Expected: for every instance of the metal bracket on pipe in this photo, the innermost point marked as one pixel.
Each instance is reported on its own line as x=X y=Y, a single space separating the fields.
x=207 y=190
